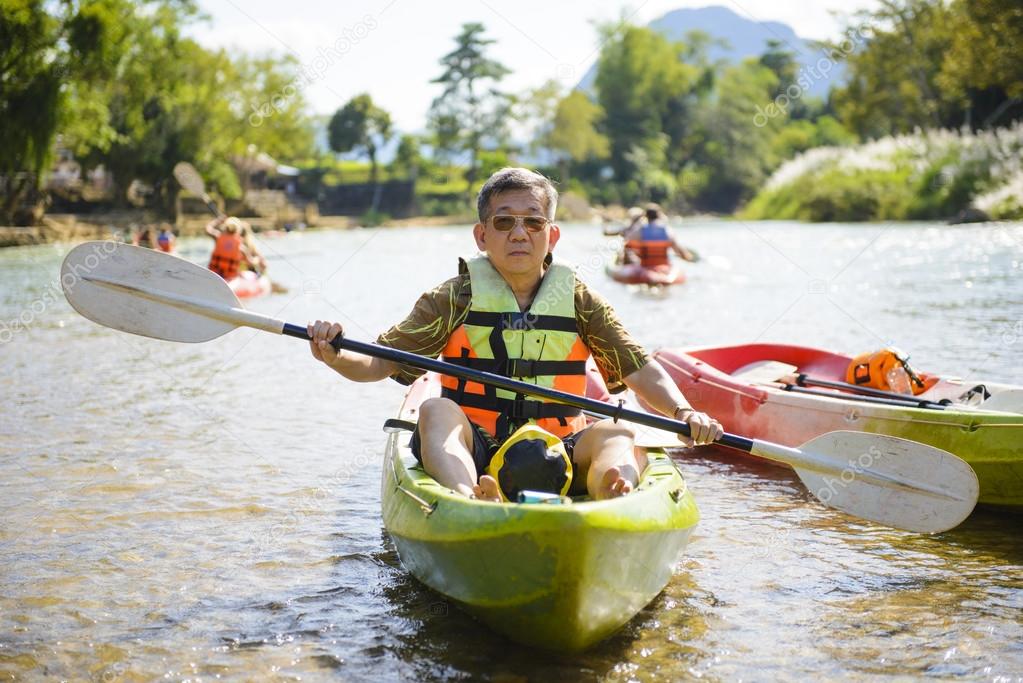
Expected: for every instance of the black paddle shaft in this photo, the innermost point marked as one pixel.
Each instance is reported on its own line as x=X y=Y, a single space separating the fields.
x=590 y=405
x=905 y=399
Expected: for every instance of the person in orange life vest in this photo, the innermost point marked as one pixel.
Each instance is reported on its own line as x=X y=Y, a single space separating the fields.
x=229 y=250
x=651 y=243
x=517 y=236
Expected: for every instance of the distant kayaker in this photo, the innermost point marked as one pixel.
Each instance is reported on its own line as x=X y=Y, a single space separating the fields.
x=651 y=243
x=229 y=251
x=515 y=311
x=165 y=238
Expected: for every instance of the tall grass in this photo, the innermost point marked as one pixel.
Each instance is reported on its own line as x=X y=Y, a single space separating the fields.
x=927 y=175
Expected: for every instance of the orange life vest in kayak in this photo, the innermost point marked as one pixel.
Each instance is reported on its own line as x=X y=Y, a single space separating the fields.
x=540 y=346
x=652 y=246
x=227 y=255
x=888 y=370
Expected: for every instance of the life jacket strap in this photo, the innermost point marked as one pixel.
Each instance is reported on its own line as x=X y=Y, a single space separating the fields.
x=521 y=321
x=516 y=409
x=520 y=367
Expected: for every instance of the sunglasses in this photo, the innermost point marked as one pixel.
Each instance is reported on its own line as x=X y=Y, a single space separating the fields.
x=507 y=223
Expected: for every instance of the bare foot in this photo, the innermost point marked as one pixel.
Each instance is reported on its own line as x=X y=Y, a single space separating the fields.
x=612 y=485
x=487 y=489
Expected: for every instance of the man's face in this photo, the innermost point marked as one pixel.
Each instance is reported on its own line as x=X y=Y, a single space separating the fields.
x=518 y=251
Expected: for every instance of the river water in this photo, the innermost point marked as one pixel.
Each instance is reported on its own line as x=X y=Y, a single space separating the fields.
x=195 y=512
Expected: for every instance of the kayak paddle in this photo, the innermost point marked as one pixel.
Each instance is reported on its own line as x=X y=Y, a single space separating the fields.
x=190 y=179
x=884 y=479
x=1008 y=401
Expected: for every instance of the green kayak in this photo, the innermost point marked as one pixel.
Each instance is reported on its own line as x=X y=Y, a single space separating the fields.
x=558 y=577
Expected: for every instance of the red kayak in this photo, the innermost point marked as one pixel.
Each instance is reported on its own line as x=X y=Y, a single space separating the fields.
x=635 y=274
x=248 y=285
x=774 y=392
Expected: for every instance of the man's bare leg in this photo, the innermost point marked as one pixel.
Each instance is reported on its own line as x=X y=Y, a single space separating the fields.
x=446 y=443
x=605 y=455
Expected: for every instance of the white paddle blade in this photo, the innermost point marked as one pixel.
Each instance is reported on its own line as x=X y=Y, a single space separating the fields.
x=145 y=292
x=884 y=479
x=189 y=178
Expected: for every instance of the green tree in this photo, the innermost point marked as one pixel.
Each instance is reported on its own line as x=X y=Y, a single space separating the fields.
x=645 y=90
x=574 y=135
x=470 y=112
x=267 y=89
x=892 y=83
x=29 y=99
x=408 y=158
x=782 y=62
x=44 y=49
x=736 y=147
x=131 y=116
x=537 y=113
x=983 y=67
x=360 y=125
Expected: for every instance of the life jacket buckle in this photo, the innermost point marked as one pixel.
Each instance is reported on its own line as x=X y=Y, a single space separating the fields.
x=520 y=367
x=521 y=409
x=517 y=321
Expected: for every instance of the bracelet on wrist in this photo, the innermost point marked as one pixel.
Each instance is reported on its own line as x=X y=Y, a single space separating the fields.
x=685 y=411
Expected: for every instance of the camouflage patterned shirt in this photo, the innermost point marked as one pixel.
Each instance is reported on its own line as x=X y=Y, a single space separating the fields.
x=440 y=311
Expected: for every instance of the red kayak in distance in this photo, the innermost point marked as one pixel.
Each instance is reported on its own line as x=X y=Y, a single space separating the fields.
x=249 y=285
x=635 y=274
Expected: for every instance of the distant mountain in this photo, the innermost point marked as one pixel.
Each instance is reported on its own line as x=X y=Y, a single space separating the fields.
x=744 y=38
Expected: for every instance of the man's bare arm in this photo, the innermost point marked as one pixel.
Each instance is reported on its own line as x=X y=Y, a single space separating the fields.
x=353 y=366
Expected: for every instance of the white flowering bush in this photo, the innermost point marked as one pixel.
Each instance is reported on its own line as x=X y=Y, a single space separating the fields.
x=926 y=175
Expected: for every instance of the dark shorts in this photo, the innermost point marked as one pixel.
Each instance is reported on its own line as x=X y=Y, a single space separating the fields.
x=485 y=446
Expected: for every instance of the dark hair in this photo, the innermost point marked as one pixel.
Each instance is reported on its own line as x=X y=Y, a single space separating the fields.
x=515 y=179
x=653 y=212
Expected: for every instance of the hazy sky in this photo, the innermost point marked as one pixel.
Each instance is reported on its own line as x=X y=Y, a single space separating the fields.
x=391 y=48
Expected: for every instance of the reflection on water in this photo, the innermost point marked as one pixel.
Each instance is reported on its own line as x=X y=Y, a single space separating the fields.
x=195 y=511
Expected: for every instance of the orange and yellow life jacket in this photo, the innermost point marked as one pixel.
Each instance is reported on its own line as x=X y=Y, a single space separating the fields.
x=540 y=346
x=651 y=245
x=227 y=255
x=887 y=369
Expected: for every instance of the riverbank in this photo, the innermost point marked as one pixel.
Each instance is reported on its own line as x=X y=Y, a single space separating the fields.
x=118 y=226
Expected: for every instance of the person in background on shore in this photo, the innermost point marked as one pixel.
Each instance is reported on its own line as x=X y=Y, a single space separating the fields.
x=517 y=312
x=649 y=243
x=229 y=249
